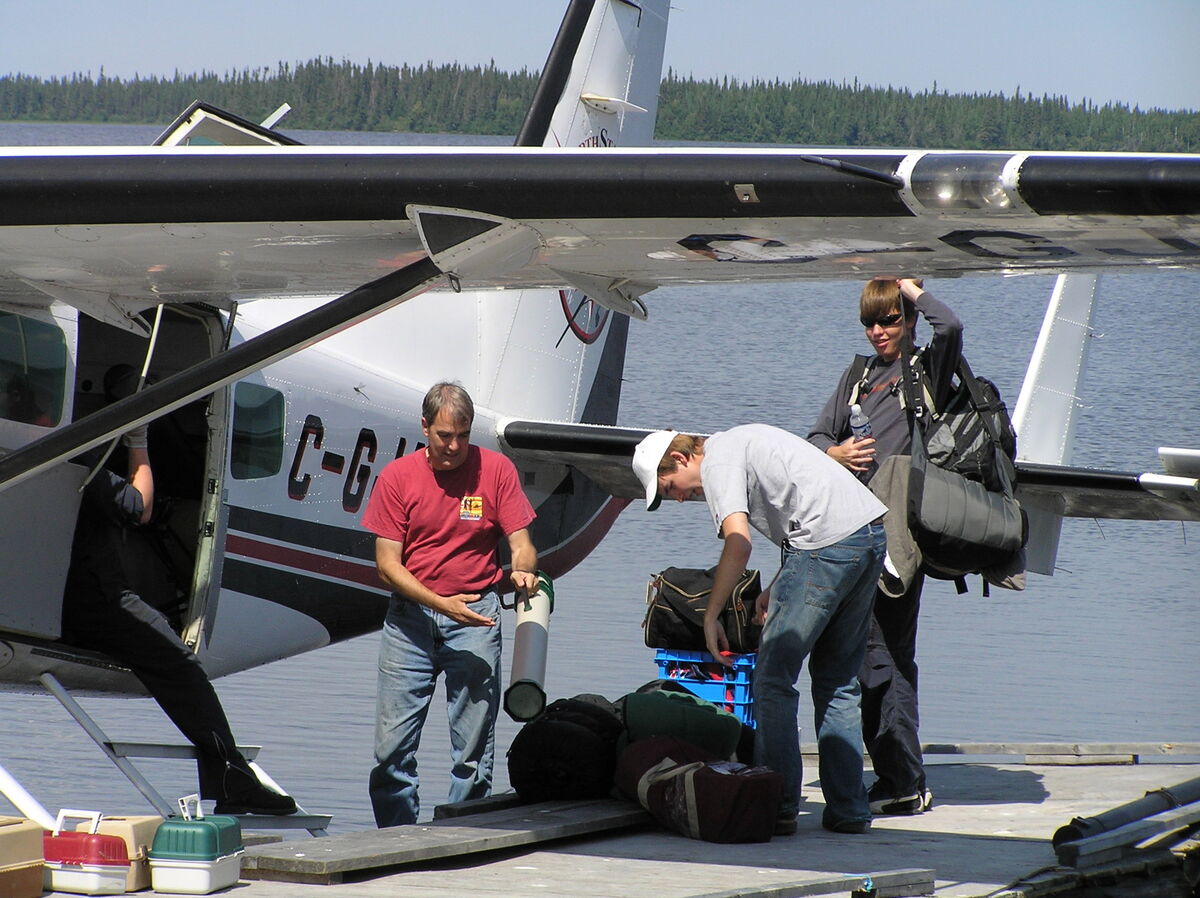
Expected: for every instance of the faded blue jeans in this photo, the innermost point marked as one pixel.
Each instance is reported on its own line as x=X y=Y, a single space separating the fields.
x=820 y=607
x=418 y=645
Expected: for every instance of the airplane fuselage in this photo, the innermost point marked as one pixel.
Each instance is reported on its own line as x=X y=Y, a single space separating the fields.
x=265 y=481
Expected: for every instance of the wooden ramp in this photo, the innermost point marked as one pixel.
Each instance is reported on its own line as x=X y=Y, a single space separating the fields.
x=355 y=855
x=451 y=840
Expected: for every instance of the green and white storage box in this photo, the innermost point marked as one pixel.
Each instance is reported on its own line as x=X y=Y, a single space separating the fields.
x=196 y=855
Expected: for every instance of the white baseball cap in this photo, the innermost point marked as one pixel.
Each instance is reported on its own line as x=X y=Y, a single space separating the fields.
x=646 y=458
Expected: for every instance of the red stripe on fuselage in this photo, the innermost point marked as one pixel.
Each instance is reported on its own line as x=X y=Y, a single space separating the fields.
x=310 y=562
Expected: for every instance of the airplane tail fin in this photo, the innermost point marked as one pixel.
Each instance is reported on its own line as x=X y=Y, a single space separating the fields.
x=1045 y=417
x=600 y=84
x=1048 y=406
x=1047 y=409
x=599 y=88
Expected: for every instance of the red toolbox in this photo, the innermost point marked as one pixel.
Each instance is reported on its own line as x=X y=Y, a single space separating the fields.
x=85 y=863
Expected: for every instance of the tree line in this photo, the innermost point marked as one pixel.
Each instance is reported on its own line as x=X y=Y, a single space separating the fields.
x=451 y=98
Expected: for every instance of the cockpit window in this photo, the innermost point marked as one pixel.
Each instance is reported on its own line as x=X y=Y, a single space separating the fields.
x=33 y=370
x=257 y=449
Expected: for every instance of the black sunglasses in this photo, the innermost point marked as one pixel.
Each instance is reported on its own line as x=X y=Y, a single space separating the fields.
x=883 y=320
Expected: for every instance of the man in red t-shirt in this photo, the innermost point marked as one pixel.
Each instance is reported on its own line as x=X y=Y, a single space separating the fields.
x=438 y=515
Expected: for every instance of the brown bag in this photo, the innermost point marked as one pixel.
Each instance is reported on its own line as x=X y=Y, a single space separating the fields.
x=689 y=791
x=676 y=599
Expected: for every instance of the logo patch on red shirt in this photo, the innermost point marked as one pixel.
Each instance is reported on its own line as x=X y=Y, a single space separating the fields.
x=471 y=508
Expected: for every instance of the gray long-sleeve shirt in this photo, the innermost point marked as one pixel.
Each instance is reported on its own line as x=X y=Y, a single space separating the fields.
x=881 y=400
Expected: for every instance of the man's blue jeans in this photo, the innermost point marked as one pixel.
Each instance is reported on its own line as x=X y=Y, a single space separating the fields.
x=820 y=606
x=416 y=646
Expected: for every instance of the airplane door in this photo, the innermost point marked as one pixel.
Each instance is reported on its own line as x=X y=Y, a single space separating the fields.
x=204 y=124
x=37 y=349
x=39 y=515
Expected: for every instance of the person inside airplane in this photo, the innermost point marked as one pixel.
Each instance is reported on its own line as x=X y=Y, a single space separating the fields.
x=102 y=613
x=22 y=403
x=888 y=310
x=438 y=515
x=830 y=530
x=178 y=437
x=157 y=561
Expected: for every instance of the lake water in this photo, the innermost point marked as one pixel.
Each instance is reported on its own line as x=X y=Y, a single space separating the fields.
x=1103 y=651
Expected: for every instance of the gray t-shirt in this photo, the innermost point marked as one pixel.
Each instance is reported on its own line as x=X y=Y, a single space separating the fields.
x=790 y=489
x=889 y=422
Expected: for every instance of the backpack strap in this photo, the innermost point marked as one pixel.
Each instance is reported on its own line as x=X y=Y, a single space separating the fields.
x=960 y=586
x=910 y=381
x=860 y=379
x=916 y=365
x=860 y=373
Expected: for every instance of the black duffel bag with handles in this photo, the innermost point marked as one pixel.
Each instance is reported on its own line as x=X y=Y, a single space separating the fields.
x=962 y=509
x=675 y=603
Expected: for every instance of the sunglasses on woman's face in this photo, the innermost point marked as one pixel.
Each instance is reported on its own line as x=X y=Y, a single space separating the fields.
x=882 y=320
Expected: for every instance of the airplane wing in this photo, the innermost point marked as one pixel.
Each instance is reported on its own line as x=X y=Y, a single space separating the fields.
x=108 y=229
x=114 y=231
x=605 y=454
x=1076 y=492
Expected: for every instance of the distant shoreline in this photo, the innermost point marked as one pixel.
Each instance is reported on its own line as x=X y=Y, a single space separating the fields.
x=457 y=100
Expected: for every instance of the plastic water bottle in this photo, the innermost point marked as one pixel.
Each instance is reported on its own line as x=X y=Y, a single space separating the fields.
x=860 y=424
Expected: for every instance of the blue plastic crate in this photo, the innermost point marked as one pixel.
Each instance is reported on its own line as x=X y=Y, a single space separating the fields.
x=725 y=687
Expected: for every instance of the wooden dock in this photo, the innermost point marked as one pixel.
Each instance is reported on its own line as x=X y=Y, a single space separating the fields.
x=988 y=834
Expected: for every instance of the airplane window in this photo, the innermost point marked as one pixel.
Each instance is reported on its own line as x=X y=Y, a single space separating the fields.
x=258 y=419
x=33 y=370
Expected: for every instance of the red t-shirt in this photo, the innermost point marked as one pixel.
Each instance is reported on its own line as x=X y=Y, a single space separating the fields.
x=451 y=521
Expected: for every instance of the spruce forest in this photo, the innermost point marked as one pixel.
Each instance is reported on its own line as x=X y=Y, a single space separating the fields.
x=345 y=96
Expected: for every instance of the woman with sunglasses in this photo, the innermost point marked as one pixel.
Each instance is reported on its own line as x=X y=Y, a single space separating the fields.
x=888 y=309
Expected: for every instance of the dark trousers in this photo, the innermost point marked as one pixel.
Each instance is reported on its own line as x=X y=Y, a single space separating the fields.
x=889 y=694
x=136 y=635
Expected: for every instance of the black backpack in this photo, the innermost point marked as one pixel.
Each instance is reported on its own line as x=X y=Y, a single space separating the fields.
x=956 y=436
x=569 y=751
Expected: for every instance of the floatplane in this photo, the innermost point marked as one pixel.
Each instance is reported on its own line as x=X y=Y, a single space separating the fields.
x=291 y=304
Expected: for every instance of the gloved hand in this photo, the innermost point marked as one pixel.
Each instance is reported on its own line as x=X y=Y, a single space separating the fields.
x=137 y=438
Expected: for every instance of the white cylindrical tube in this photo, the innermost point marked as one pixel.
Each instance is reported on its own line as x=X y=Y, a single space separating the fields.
x=24 y=802
x=525 y=697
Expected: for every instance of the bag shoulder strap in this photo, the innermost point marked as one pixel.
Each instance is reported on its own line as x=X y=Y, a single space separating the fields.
x=967 y=377
x=860 y=373
x=921 y=375
x=909 y=379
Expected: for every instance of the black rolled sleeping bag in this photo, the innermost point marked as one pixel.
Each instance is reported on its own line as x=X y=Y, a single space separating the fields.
x=569 y=751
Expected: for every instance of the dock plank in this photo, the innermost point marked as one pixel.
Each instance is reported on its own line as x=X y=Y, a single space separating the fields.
x=884 y=884
x=331 y=859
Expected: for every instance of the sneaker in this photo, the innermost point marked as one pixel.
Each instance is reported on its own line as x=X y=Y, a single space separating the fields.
x=256 y=799
x=901 y=805
x=849 y=827
x=785 y=825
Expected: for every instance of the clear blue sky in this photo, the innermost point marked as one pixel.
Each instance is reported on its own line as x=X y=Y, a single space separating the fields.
x=1144 y=52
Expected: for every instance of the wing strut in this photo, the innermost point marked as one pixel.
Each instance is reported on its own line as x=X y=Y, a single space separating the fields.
x=224 y=368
